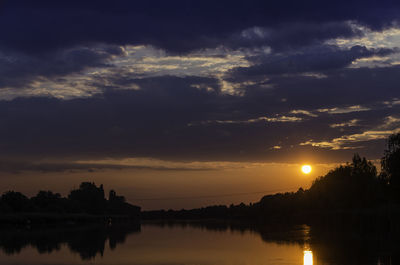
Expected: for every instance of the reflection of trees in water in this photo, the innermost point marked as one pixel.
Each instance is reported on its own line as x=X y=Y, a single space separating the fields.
x=330 y=243
x=277 y=233
x=88 y=241
x=346 y=244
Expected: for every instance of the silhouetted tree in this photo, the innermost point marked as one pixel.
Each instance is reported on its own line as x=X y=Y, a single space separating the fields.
x=16 y=201
x=113 y=197
x=118 y=205
x=351 y=185
x=48 y=201
x=390 y=164
x=89 y=197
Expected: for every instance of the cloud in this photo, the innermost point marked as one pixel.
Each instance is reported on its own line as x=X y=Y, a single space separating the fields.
x=25 y=71
x=17 y=167
x=354 y=141
x=317 y=59
x=181 y=26
x=292 y=36
x=276 y=147
x=387 y=38
x=389 y=122
x=278 y=118
x=350 y=123
x=348 y=141
x=343 y=110
x=153 y=122
x=304 y=112
x=126 y=163
x=342 y=87
x=85 y=81
x=87 y=71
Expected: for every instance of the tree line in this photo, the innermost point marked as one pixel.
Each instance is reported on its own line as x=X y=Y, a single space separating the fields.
x=353 y=187
x=88 y=198
x=350 y=187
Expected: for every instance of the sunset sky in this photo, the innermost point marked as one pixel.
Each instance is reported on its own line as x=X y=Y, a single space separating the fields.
x=189 y=103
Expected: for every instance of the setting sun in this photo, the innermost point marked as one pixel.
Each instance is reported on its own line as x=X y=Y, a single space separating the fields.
x=306 y=169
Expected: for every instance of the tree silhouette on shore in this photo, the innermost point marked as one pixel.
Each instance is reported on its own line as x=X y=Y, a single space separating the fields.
x=390 y=164
x=88 y=198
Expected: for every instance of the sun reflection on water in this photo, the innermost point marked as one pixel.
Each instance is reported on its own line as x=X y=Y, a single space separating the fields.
x=308 y=257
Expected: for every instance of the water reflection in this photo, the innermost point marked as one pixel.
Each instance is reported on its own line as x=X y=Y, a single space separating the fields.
x=199 y=243
x=87 y=241
x=308 y=257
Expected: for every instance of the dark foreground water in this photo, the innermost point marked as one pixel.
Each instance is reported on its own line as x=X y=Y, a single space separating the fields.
x=194 y=244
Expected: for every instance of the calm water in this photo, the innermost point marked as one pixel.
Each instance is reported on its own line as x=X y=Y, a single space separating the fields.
x=183 y=245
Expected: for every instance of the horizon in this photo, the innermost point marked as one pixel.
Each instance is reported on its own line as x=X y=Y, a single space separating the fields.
x=211 y=198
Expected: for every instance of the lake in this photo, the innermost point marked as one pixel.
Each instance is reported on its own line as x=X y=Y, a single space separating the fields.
x=190 y=244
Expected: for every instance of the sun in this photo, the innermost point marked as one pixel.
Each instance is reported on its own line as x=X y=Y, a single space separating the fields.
x=306 y=169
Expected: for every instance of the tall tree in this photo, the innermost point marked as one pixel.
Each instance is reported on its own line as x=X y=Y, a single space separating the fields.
x=89 y=197
x=390 y=163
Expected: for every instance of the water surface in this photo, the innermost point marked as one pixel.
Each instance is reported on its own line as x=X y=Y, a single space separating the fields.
x=182 y=244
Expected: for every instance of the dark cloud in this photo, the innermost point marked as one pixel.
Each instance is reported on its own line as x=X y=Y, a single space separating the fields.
x=339 y=87
x=190 y=118
x=155 y=121
x=292 y=36
x=317 y=59
x=18 y=166
x=19 y=70
x=181 y=26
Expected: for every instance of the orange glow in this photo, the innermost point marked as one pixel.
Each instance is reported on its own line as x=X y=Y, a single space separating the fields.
x=308 y=257
x=306 y=169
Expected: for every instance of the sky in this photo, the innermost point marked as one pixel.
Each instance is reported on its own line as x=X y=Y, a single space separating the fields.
x=181 y=104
